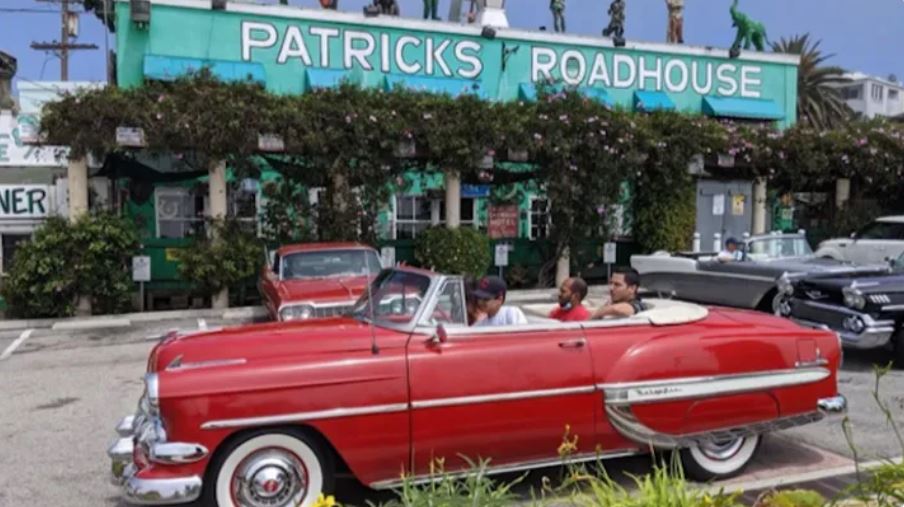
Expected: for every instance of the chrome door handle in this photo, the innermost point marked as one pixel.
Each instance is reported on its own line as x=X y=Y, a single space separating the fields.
x=573 y=344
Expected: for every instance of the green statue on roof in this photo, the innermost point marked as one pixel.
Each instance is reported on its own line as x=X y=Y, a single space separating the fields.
x=430 y=7
x=558 y=14
x=749 y=31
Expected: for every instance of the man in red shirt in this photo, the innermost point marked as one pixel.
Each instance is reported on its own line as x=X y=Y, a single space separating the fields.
x=571 y=294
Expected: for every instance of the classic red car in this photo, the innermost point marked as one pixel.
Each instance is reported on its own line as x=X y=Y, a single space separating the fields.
x=313 y=280
x=268 y=414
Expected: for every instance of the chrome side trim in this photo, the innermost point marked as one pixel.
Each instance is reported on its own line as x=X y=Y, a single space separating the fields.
x=124 y=428
x=179 y=366
x=489 y=398
x=630 y=393
x=892 y=308
x=625 y=422
x=513 y=467
x=305 y=416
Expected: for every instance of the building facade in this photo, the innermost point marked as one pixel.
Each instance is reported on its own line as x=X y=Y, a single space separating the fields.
x=293 y=50
x=873 y=96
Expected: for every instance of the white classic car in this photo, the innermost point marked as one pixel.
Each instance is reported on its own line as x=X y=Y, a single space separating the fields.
x=877 y=242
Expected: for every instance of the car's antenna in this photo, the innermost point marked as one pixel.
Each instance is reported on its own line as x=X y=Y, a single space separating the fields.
x=370 y=303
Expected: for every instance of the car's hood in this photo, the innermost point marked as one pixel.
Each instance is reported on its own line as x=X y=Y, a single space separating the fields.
x=246 y=344
x=818 y=265
x=868 y=284
x=322 y=289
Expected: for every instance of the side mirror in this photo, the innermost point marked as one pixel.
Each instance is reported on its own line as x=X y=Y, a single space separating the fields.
x=854 y=236
x=892 y=263
x=440 y=336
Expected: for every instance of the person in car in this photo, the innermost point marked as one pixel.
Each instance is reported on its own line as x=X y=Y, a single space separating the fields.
x=623 y=299
x=732 y=252
x=490 y=296
x=571 y=296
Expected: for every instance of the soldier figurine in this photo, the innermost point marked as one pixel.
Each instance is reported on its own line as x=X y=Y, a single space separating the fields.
x=329 y=4
x=430 y=7
x=388 y=7
x=558 y=14
x=616 y=28
x=675 y=33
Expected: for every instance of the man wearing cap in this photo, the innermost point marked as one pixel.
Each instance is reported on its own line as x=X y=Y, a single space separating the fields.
x=731 y=252
x=490 y=296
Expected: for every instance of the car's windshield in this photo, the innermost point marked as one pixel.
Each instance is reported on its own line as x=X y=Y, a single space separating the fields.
x=394 y=297
x=778 y=248
x=327 y=263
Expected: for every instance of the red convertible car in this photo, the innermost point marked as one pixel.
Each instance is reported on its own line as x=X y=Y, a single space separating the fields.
x=316 y=279
x=268 y=414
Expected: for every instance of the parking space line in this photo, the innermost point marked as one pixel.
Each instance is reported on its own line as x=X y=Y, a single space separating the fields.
x=202 y=324
x=14 y=345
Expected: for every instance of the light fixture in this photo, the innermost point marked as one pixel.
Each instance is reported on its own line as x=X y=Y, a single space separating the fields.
x=507 y=52
x=130 y=137
x=218 y=5
x=488 y=32
x=371 y=11
x=273 y=143
x=140 y=11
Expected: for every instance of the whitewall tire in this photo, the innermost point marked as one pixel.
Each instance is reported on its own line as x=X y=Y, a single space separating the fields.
x=269 y=468
x=719 y=460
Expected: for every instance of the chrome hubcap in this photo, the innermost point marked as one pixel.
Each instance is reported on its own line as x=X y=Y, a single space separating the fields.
x=270 y=478
x=721 y=450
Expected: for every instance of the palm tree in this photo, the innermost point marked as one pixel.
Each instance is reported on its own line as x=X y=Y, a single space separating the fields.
x=819 y=101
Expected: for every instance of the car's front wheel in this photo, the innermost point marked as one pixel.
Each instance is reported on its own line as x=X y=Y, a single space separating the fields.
x=269 y=468
x=719 y=459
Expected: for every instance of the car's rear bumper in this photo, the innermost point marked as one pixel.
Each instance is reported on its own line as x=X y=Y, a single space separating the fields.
x=140 y=490
x=857 y=330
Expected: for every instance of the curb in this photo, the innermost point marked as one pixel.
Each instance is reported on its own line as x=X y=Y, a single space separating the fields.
x=128 y=319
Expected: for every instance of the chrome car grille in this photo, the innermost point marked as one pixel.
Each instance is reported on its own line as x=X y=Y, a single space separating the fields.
x=332 y=311
x=879 y=299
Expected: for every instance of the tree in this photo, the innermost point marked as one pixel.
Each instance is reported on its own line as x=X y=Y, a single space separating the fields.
x=104 y=13
x=819 y=101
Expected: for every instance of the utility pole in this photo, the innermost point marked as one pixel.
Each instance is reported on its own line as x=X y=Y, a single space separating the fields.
x=63 y=47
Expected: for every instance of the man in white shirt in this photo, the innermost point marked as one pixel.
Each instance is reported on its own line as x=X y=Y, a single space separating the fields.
x=490 y=295
x=732 y=252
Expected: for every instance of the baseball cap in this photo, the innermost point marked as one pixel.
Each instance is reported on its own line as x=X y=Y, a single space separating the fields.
x=490 y=287
x=732 y=240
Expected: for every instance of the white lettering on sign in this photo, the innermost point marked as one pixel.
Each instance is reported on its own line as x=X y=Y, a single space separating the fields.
x=695 y=73
x=325 y=34
x=472 y=58
x=24 y=201
x=293 y=46
x=14 y=152
x=249 y=41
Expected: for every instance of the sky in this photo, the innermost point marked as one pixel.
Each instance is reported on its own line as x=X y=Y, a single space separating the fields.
x=864 y=35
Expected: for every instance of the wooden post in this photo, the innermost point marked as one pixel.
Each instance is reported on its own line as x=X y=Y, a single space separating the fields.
x=563 y=268
x=216 y=189
x=842 y=193
x=759 y=206
x=77 y=181
x=453 y=200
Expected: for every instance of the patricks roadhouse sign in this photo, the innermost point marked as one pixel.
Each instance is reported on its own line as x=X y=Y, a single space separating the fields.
x=313 y=45
x=24 y=201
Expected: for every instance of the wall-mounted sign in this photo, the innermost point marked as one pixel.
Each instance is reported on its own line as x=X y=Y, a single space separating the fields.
x=24 y=201
x=141 y=268
x=502 y=255
x=16 y=132
x=475 y=190
x=503 y=221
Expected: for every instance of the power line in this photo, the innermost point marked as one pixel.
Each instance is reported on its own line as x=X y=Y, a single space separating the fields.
x=63 y=47
x=28 y=11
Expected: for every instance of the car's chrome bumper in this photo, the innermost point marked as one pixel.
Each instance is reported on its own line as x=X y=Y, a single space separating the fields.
x=833 y=406
x=146 y=491
x=867 y=334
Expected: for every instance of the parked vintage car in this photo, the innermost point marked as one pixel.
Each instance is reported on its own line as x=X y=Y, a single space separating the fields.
x=876 y=242
x=312 y=280
x=865 y=309
x=268 y=414
x=748 y=283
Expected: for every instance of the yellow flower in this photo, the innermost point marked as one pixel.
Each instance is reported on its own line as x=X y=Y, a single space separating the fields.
x=326 y=501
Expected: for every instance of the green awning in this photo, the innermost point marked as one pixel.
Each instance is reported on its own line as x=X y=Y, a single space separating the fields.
x=731 y=107
x=453 y=87
x=325 y=78
x=647 y=101
x=169 y=68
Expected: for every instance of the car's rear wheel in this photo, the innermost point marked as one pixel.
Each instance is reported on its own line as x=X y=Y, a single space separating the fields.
x=269 y=468
x=719 y=459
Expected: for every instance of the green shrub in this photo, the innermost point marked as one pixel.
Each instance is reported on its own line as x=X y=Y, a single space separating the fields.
x=461 y=251
x=212 y=265
x=474 y=489
x=90 y=257
x=792 y=498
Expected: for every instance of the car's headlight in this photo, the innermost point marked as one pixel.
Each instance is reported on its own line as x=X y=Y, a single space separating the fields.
x=853 y=298
x=296 y=312
x=784 y=285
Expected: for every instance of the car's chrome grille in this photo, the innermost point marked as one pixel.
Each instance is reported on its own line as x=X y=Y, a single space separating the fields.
x=332 y=311
x=880 y=299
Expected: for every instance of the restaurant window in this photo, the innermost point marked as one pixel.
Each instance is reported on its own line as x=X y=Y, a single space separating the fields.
x=852 y=92
x=243 y=205
x=180 y=212
x=413 y=214
x=10 y=244
x=538 y=218
x=468 y=211
x=877 y=92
